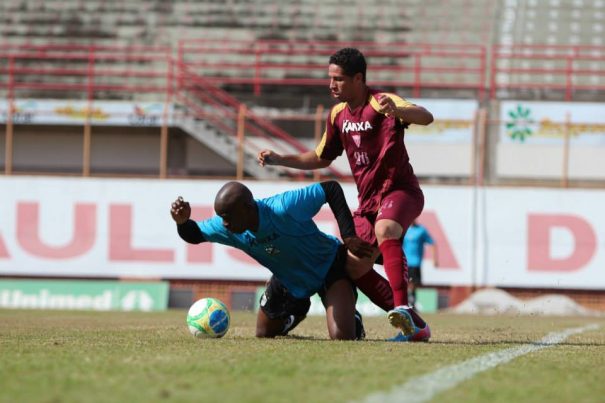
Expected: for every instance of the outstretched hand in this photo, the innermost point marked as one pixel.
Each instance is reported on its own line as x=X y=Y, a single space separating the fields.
x=180 y=210
x=267 y=157
x=359 y=247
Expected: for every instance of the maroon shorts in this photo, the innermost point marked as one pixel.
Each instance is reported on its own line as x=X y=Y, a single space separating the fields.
x=400 y=205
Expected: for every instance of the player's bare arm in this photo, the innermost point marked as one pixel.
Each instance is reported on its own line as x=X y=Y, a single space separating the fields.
x=415 y=114
x=306 y=160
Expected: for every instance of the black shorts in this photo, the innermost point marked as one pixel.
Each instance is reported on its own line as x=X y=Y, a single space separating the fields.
x=414 y=275
x=277 y=302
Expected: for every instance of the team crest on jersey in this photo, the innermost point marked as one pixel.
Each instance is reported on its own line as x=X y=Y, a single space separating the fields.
x=348 y=126
x=356 y=139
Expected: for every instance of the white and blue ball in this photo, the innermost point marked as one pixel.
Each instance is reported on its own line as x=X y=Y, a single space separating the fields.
x=208 y=318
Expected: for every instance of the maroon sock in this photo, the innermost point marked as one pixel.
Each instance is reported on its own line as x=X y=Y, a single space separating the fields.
x=377 y=288
x=396 y=269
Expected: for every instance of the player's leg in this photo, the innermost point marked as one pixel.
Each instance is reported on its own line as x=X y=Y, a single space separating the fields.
x=266 y=327
x=389 y=234
x=338 y=296
x=414 y=280
x=361 y=271
x=398 y=210
x=402 y=316
x=279 y=311
x=340 y=310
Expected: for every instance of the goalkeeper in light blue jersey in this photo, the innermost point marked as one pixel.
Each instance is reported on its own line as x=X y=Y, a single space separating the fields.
x=279 y=233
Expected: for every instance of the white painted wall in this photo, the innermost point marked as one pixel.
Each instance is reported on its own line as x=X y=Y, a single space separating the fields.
x=514 y=237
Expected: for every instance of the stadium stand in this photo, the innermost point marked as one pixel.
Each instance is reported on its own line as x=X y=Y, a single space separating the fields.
x=540 y=41
x=160 y=23
x=273 y=54
x=552 y=22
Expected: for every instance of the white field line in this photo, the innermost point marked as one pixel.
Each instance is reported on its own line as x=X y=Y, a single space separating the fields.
x=426 y=387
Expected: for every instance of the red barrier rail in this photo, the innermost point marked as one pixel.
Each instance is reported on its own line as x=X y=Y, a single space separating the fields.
x=85 y=70
x=205 y=100
x=110 y=70
x=125 y=72
x=276 y=62
x=103 y=72
x=566 y=69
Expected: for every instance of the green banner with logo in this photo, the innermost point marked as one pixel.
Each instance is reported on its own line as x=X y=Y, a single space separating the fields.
x=84 y=295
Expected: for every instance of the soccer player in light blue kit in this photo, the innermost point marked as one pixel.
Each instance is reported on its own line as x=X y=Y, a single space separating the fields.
x=279 y=233
x=413 y=247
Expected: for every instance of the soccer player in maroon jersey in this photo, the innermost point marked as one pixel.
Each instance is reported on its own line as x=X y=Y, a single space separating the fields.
x=369 y=126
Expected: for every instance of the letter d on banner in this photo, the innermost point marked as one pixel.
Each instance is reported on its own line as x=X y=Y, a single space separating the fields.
x=540 y=246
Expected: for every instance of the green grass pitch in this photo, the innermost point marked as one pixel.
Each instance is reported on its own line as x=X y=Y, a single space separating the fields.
x=61 y=356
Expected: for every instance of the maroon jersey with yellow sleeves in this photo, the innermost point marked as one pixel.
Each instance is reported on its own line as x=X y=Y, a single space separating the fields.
x=374 y=145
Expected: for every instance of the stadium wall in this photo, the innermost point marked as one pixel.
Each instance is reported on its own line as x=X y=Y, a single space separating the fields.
x=514 y=238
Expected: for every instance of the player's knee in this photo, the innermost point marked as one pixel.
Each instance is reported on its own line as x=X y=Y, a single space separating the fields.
x=341 y=335
x=387 y=229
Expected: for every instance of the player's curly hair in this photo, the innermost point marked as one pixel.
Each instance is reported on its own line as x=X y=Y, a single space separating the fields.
x=351 y=61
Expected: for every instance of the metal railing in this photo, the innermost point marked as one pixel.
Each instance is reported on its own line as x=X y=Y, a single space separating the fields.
x=93 y=73
x=192 y=75
x=276 y=62
x=564 y=69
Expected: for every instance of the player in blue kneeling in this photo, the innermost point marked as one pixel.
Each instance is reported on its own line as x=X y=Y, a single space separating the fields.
x=279 y=233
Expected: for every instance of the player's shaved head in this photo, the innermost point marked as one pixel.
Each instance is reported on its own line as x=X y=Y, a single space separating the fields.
x=235 y=204
x=232 y=195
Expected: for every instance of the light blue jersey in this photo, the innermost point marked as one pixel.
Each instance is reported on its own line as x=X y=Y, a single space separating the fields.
x=287 y=242
x=413 y=244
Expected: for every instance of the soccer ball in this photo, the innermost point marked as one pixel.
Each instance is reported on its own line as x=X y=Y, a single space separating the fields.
x=208 y=317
